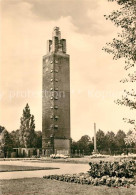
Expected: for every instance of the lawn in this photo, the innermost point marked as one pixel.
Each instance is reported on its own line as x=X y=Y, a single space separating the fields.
x=10 y=168
x=40 y=186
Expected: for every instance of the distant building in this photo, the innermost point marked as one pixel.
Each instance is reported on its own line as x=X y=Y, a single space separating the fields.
x=56 y=97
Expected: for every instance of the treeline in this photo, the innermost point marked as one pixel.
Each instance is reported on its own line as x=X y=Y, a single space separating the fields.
x=27 y=137
x=11 y=140
x=109 y=143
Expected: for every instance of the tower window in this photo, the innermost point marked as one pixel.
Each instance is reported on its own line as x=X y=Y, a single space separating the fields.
x=56 y=98
x=55 y=126
x=56 y=61
x=56 y=80
x=51 y=116
x=56 y=117
x=56 y=107
x=56 y=89
x=56 y=71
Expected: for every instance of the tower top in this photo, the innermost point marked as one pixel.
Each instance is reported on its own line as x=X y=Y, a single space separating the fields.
x=56 y=44
x=56 y=32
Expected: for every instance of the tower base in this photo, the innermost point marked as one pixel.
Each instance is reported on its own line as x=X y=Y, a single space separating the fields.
x=62 y=146
x=59 y=146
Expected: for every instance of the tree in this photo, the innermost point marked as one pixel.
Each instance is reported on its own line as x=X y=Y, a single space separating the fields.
x=38 y=140
x=84 y=144
x=100 y=140
x=125 y=47
x=6 y=143
x=27 y=129
x=1 y=128
x=15 y=138
x=74 y=146
x=85 y=139
x=120 y=142
x=130 y=139
x=110 y=141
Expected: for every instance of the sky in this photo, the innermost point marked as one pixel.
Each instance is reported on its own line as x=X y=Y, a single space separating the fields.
x=26 y=25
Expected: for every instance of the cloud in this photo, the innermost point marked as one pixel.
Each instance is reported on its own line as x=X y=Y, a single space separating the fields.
x=86 y=15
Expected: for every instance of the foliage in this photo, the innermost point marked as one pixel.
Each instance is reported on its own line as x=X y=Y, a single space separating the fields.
x=38 y=139
x=84 y=145
x=119 y=139
x=124 y=46
x=131 y=138
x=83 y=178
x=15 y=138
x=1 y=128
x=110 y=141
x=27 y=129
x=103 y=173
x=112 y=174
x=112 y=169
x=74 y=146
x=6 y=143
x=100 y=139
x=36 y=143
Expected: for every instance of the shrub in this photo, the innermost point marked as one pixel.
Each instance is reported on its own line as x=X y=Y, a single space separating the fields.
x=119 y=169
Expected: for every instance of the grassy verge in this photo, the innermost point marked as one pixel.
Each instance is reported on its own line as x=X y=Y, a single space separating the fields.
x=40 y=186
x=10 y=168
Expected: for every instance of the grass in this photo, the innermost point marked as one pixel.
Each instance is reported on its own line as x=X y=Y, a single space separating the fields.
x=11 y=168
x=40 y=186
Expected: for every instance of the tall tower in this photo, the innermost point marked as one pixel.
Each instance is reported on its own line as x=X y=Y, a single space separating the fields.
x=56 y=97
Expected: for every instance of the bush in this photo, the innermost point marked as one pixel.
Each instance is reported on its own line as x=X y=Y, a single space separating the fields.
x=83 y=178
x=113 y=174
x=119 y=169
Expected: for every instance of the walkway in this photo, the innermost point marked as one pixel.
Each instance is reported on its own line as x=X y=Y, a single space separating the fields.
x=65 y=168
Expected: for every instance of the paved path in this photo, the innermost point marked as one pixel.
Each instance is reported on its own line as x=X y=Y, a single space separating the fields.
x=65 y=168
